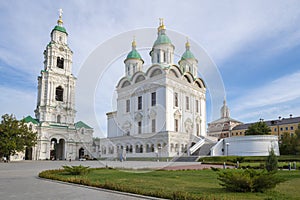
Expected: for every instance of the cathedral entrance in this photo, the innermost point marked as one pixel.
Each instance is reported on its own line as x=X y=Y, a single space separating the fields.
x=28 y=153
x=81 y=153
x=57 y=149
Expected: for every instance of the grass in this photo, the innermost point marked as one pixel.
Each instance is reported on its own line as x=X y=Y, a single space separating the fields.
x=185 y=184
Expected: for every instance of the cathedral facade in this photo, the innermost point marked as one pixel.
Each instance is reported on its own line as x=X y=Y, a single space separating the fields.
x=161 y=111
x=59 y=137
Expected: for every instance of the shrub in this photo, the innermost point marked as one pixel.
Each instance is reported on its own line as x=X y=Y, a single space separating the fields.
x=272 y=161
x=76 y=170
x=248 y=180
x=239 y=159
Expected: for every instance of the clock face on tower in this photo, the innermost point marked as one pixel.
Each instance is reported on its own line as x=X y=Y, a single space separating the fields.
x=61 y=48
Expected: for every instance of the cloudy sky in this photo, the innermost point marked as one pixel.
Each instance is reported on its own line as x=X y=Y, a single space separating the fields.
x=254 y=44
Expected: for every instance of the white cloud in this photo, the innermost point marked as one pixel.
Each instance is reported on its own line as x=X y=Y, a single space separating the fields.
x=278 y=98
x=282 y=90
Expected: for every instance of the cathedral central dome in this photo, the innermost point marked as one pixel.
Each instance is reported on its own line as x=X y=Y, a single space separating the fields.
x=162 y=39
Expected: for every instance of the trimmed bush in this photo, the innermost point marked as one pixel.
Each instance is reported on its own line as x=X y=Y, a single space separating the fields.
x=76 y=170
x=248 y=180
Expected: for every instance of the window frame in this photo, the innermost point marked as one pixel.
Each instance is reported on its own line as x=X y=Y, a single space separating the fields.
x=127 y=105
x=140 y=127
x=140 y=102
x=153 y=99
x=176 y=100
x=187 y=103
x=153 y=125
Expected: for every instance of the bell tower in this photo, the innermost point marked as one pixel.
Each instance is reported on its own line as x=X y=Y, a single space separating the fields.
x=56 y=83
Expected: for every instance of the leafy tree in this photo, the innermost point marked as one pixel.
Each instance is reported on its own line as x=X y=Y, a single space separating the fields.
x=272 y=161
x=259 y=128
x=288 y=144
x=297 y=132
x=15 y=136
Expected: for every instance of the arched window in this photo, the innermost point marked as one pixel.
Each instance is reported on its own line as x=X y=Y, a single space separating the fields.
x=59 y=93
x=58 y=119
x=60 y=62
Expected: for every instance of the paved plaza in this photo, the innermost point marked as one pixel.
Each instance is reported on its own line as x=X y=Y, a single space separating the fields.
x=19 y=180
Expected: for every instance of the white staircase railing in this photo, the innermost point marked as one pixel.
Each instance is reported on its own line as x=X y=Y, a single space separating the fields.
x=217 y=148
x=196 y=146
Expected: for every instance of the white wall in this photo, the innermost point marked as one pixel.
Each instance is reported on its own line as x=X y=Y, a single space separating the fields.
x=258 y=145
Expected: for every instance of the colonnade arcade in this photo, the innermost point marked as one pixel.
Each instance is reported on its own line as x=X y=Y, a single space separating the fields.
x=139 y=147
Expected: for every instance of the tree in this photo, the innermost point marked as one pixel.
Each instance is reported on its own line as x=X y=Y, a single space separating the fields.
x=297 y=132
x=15 y=136
x=259 y=128
x=272 y=161
x=288 y=144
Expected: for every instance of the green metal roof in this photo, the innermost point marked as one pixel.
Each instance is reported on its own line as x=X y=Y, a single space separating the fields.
x=134 y=54
x=187 y=55
x=30 y=119
x=60 y=28
x=162 y=39
x=81 y=124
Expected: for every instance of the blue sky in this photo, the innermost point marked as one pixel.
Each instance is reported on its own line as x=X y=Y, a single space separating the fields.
x=254 y=44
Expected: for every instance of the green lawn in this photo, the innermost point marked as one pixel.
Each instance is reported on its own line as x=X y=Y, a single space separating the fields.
x=189 y=184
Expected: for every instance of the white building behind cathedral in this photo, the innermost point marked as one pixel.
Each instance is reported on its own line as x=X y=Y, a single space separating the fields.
x=59 y=137
x=161 y=110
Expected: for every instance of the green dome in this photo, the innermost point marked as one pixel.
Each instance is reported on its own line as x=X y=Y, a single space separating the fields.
x=162 y=39
x=60 y=28
x=187 y=55
x=134 y=54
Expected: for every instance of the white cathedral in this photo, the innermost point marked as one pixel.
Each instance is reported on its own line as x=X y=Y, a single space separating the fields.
x=59 y=137
x=161 y=111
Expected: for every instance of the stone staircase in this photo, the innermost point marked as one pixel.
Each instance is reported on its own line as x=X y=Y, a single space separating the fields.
x=204 y=150
x=186 y=159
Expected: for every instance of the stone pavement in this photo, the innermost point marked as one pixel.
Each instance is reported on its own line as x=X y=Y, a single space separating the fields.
x=19 y=180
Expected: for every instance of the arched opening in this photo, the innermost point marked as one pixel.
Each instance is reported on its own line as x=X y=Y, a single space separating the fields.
x=59 y=93
x=148 y=148
x=60 y=63
x=57 y=149
x=61 y=149
x=53 y=149
x=81 y=153
x=58 y=119
x=28 y=153
x=141 y=149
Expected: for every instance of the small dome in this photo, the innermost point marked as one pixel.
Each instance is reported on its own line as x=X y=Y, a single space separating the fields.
x=60 y=28
x=162 y=39
x=134 y=54
x=187 y=55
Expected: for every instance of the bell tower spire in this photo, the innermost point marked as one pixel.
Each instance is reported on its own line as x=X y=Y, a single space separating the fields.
x=56 y=84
